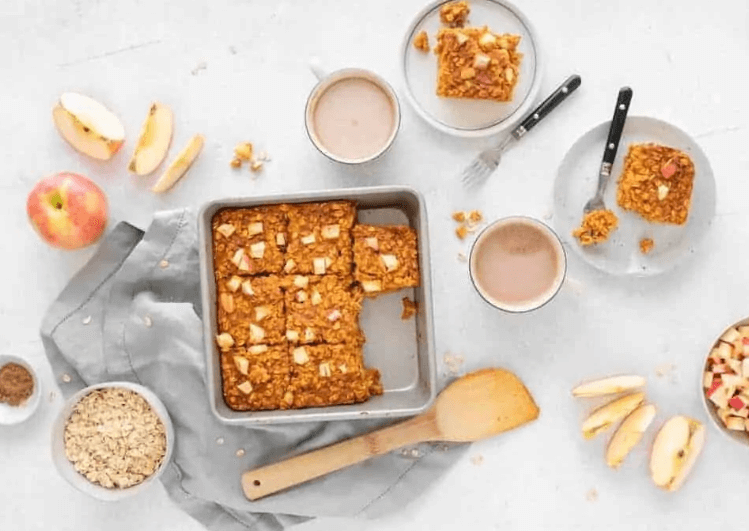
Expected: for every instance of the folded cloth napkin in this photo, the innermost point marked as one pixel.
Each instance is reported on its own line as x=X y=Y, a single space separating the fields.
x=133 y=313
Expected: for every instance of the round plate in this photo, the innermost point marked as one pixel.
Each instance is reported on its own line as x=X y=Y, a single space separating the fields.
x=16 y=414
x=620 y=255
x=464 y=117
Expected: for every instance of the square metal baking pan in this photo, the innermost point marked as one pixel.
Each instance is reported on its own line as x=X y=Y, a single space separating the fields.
x=403 y=351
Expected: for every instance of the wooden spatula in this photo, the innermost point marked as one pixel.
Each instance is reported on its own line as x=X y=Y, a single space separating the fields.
x=476 y=406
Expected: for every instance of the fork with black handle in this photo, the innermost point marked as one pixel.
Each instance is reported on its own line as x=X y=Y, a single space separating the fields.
x=487 y=161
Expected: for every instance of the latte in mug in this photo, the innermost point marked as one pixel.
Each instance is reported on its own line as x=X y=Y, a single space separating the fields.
x=518 y=264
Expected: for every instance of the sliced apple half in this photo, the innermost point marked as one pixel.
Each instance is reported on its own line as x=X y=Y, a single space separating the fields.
x=628 y=434
x=605 y=416
x=180 y=165
x=88 y=126
x=608 y=386
x=675 y=450
x=155 y=138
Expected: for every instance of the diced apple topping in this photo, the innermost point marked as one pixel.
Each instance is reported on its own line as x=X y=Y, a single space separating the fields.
x=289 y=265
x=730 y=335
x=247 y=288
x=735 y=423
x=481 y=61
x=243 y=364
x=261 y=312
x=280 y=239
x=372 y=243
x=292 y=335
x=224 y=341
x=257 y=250
x=725 y=351
x=371 y=286
x=301 y=296
x=300 y=355
x=254 y=228
x=462 y=39
x=390 y=261
x=316 y=298
x=726 y=377
x=227 y=302
x=668 y=169
x=244 y=263
x=258 y=349
x=662 y=192
x=343 y=368
x=324 y=369
x=237 y=258
x=309 y=334
x=256 y=333
x=487 y=39
x=301 y=281
x=245 y=387
x=319 y=266
x=745 y=367
x=234 y=283
x=334 y=315
x=308 y=239
x=227 y=229
x=331 y=232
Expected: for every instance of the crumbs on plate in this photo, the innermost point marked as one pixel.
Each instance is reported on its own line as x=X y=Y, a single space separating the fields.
x=596 y=227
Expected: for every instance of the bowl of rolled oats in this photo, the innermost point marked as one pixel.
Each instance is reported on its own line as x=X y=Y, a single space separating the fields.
x=113 y=439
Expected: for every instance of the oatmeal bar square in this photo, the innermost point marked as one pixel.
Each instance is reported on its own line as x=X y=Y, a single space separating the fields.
x=323 y=375
x=320 y=238
x=249 y=241
x=256 y=378
x=386 y=258
x=323 y=309
x=477 y=64
x=657 y=182
x=251 y=310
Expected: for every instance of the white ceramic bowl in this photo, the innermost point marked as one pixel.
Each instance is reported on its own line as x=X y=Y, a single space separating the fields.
x=68 y=471
x=741 y=437
x=16 y=414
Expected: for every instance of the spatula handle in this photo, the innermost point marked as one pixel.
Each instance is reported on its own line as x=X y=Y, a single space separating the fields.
x=273 y=478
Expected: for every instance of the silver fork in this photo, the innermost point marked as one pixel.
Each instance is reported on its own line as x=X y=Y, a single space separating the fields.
x=487 y=161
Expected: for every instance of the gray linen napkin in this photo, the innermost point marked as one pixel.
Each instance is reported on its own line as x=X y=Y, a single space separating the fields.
x=133 y=313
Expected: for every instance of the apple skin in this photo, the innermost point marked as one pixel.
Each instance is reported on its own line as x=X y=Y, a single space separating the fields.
x=67 y=210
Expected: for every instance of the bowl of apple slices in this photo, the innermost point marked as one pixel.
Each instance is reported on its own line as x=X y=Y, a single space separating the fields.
x=725 y=382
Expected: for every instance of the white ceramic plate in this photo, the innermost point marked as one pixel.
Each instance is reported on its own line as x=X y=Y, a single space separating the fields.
x=68 y=471
x=470 y=118
x=16 y=414
x=576 y=183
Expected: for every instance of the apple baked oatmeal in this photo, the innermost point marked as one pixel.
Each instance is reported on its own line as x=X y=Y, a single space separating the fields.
x=288 y=321
x=656 y=183
x=477 y=64
x=596 y=227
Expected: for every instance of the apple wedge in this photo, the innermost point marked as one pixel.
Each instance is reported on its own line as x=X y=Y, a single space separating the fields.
x=605 y=416
x=155 y=138
x=180 y=165
x=608 y=386
x=675 y=450
x=628 y=434
x=88 y=126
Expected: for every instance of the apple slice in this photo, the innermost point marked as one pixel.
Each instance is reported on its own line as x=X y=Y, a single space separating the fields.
x=675 y=450
x=605 y=416
x=608 y=386
x=155 y=138
x=88 y=126
x=180 y=165
x=628 y=434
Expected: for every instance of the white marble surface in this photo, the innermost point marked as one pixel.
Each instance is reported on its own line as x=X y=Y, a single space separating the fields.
x=237 y=70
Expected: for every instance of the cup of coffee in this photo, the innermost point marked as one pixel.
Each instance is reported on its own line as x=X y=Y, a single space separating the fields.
x=517 y=264
x=352 y=115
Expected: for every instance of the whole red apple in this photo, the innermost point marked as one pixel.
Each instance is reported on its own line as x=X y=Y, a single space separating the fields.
x=67 y=210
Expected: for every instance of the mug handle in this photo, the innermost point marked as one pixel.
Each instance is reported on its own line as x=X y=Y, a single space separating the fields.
x=315 y=65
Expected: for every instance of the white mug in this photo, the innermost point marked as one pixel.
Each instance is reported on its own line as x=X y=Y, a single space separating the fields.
x=325 y=81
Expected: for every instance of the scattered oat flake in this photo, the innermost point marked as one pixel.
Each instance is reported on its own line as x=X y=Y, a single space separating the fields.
x=477 y=460
x=592 y=495
x=86 y=320
x=52 y=396
x=256 y=165
x=664 y=369
x=66 y=378
x=202 y=65
x=462 y=257
x=409 y=308
x=415 y=453
x=240 y=452
x=453 y=364
x=164 y=264
x=220 y=440
x=147 y=321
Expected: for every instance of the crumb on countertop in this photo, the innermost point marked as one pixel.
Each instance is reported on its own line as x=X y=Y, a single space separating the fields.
x=468 y=222
x=646 y=245
x=421 y=41
x=410 y=308
x=596 y=227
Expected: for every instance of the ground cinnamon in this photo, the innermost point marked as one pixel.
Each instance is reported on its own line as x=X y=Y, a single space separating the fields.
x=16 y=384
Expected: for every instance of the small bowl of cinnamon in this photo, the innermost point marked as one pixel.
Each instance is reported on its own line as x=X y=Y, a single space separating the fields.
x=20 y=390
